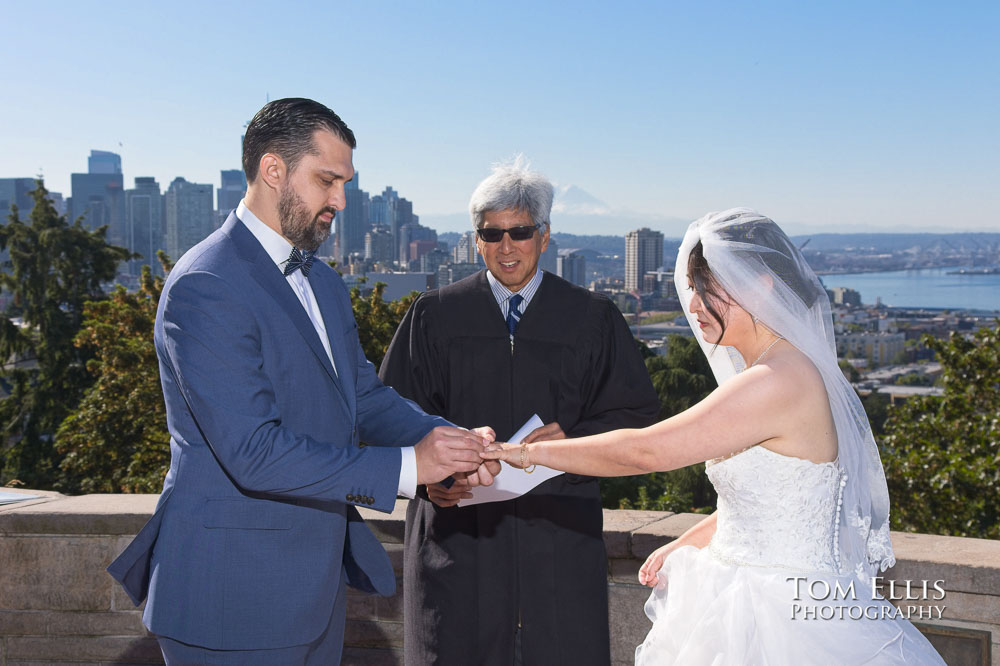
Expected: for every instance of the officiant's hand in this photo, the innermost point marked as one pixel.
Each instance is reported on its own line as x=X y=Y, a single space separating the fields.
x=445 y=497
x=547 y=432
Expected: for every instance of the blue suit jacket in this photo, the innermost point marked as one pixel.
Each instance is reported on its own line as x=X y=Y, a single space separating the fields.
x=256 y=522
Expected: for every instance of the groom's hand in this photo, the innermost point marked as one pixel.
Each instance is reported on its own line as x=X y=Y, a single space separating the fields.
x=490 y=468
x=445 y=451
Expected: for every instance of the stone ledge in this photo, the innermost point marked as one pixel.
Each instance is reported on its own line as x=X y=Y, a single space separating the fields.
x=93 y=515
x=966 y=565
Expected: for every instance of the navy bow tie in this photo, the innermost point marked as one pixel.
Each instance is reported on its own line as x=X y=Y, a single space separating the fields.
x=298 y=259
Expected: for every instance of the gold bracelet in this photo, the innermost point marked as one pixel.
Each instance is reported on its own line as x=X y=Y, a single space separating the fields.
x=524 y=459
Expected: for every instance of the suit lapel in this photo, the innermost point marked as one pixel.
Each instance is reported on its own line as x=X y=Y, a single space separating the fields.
x=269 y=277
x=323 y=289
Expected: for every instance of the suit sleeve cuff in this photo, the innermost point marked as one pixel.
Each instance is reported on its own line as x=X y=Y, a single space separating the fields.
x=408 y=472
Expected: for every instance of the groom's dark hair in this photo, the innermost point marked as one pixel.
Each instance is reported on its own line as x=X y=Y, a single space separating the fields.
x=285 y=127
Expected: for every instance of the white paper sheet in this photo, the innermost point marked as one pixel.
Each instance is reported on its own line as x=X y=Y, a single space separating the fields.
x=512 y=482
x=10 y=498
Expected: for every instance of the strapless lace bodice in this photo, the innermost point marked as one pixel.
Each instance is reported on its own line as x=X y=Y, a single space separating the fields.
x=776 y=511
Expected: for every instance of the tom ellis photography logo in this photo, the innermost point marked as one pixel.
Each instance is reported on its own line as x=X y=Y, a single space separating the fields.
x=818 y=599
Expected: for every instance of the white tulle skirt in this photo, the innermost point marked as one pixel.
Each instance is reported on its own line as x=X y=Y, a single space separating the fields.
x=706 y=611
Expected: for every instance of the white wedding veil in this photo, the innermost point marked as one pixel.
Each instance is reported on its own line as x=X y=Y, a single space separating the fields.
x=761 y=269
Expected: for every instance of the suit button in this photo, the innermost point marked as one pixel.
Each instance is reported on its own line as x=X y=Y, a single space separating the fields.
x=350 y=498
x=371 y=500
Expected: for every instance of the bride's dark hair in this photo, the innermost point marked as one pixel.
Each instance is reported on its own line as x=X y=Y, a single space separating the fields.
x=711 y=292
x=778 y=255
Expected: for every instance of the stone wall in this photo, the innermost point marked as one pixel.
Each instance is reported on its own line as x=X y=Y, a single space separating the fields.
x=58 y=606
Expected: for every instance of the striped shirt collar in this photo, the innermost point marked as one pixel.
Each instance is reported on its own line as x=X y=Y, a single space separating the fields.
x=503 y=294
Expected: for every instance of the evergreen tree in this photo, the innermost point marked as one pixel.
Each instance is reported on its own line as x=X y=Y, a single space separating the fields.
x=53 y=268
x=117 y=440
x=378 y=319
x=942 y=453
x=682 y=378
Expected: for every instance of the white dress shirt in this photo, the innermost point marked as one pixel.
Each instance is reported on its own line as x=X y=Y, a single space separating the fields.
x=279 y=249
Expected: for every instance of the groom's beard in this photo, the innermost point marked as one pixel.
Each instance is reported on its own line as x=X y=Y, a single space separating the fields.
x=304 y=231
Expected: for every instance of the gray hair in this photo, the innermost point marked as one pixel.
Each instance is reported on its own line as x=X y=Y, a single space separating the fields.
x=513 y=186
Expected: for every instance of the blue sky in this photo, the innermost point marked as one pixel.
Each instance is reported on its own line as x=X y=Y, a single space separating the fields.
x=834 y=115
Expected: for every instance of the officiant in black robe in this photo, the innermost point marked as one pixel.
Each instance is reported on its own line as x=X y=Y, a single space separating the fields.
x=522 y=581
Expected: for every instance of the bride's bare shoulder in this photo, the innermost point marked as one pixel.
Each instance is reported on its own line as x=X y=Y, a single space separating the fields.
x=788 y=375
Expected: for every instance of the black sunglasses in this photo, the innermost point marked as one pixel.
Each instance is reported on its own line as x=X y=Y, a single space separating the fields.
x=495 y=234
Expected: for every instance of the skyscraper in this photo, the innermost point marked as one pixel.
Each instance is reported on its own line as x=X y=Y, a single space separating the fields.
x=144 y=224
x=572 y=266
x=102 y=161
x=415 y=233
x=189 y=215
x=234 y=186
x=352 y=222
x=643 y=252
x=99 y=195
x=465 y=252
x=378 y=245
x=547 y=262
x=15 y=192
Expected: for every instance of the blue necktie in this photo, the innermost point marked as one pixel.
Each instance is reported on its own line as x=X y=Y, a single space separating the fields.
x=297 y=260
x=513 y=314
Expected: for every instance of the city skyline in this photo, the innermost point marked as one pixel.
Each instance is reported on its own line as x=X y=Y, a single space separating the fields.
x=848 y=116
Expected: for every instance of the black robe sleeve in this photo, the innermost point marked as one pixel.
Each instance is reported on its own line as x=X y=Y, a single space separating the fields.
x=618 y=391
x=410 y=365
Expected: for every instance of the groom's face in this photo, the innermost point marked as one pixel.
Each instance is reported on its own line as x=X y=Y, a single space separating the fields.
x=314 y=191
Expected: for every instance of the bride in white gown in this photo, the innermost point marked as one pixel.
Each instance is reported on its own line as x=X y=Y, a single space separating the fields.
x=782 y=572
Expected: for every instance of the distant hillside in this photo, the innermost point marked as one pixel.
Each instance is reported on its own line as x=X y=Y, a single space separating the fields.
x=604 y=245
x=880 y=242
x=885 y=242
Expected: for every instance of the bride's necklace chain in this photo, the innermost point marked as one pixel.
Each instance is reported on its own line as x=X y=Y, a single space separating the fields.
x=766 y=349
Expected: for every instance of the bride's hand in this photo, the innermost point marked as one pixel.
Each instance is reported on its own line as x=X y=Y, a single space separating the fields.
x=653 y=564
x=509 y=453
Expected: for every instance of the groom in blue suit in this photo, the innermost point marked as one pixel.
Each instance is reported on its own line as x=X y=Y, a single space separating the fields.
x=268 y=393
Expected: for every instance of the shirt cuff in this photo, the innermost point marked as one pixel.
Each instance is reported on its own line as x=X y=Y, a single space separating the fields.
x=408 y=472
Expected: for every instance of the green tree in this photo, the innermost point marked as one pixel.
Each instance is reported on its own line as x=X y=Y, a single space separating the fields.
x=850 y=372
x=942 y=453
x=54 y=268
x=378 y=319
x=117 y=440
x=682 y=378
x=877 y=408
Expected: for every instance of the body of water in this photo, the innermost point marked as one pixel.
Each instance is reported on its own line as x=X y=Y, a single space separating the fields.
x=927 y=288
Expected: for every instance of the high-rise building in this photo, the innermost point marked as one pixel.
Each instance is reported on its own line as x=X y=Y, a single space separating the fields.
x=144 y=224
x=392 y=211
x=430 y=262
x=643 y=253
x=102 y=161
x=450 y=273
x=352 y=222
x=16 y=192
x=378 y=245
x=411 y=233
x=99 y=195
x=465 y=252
x=188 y=215
x=229 y=195
x=571 y=266
x=547 y=262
